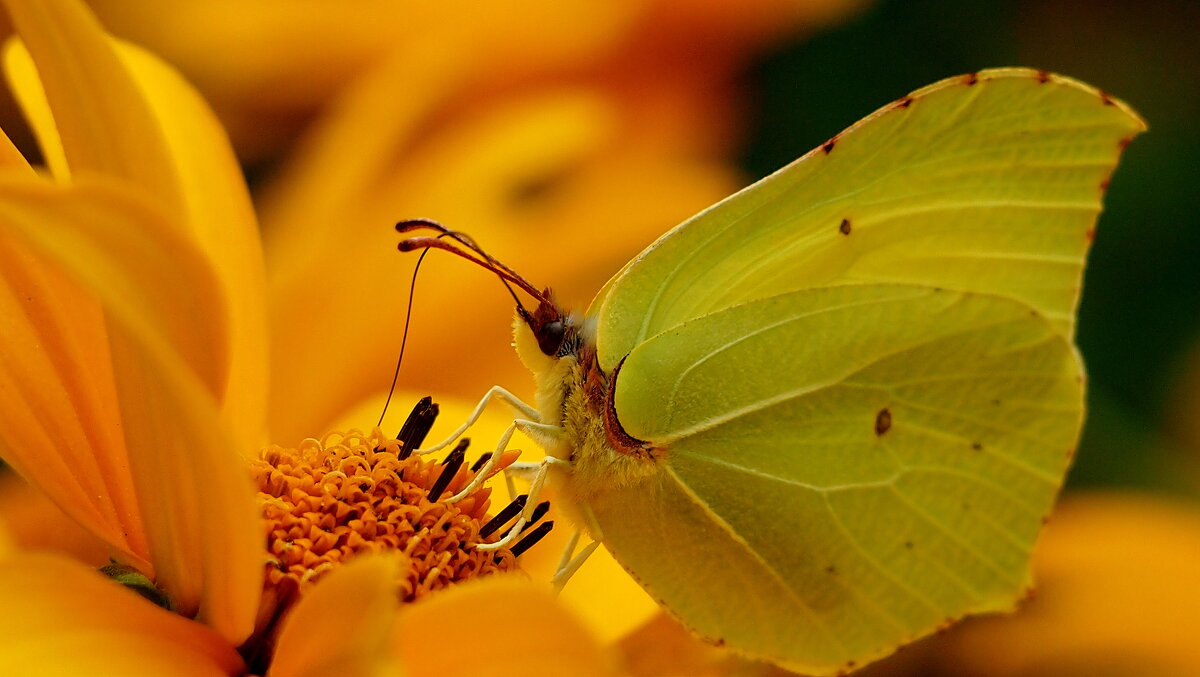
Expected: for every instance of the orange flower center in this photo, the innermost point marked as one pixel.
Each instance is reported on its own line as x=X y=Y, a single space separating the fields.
x=351 y=493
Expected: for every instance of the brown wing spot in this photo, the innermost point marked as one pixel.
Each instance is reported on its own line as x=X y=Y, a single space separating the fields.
x=883 y=422
x=970 y=78
x=828 y=145
x=1043 y=77
x=844 y=228
x=1106 y=98
x=1124 y=143
x=908 y=545
x=905 y=102
x=1104 y=185
x=831 y=570
x=977 y=446
x=1091 y=234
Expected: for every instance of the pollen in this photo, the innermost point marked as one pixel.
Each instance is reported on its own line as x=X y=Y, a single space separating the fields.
x=349 y=493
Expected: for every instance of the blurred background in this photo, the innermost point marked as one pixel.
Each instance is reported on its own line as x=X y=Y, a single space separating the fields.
x=566 y=135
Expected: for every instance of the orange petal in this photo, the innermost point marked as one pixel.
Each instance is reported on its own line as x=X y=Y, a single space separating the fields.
x=202 y=526
x=34 y=523
x=59 y=424
x=355 y=604
x=203 y=173
x=101 y=117
x=222 y=220
x=10 y=157
x=454 y=633
x=123 y=249
x=1118 y=589
x=27 y=90
x=61 y=618
x=267 y=64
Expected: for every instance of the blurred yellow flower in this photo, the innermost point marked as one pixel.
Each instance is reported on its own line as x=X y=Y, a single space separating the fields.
x=133 y=392
x=267 y=66
x=1118 y=595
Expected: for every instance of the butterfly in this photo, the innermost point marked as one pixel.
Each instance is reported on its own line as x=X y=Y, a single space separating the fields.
x=829 y=414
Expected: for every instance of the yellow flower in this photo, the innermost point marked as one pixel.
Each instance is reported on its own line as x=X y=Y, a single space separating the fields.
x=1117 y=595
x=269 y=65
x=133 y=396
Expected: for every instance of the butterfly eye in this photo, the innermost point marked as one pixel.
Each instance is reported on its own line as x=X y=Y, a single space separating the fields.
x=550 y=337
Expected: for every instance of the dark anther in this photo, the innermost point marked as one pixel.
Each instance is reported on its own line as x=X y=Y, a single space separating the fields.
x=450 y=466
x=479 y=464
x=538 y=513
x=510 y=511
x=416 y=426
x=532 y=538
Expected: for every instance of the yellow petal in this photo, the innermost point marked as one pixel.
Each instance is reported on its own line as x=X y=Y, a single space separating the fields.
x=202 y=520
x=1118 y=589
x=59 y=423
x=204 y=535
x=189 y=155
x=101 y=117
x=33 y=522
x=454 y=633
x=10 y=157
x=61 y=618
x=222 y=220
x=124 y=250
x=342 y=625
x=267 y=64
x=27 y=89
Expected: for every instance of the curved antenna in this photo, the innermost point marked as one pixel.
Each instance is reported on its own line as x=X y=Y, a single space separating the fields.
x=473 y=253
x=480 y=258
x=412 y=288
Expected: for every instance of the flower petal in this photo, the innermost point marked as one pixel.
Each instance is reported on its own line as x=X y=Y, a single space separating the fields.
x=355 y=604
x=454 y=633
x=100 y=115
x=59 y=423
x=61 y=618
x=205 y=191
x=123 y=249
x=33 y=522
x=204 y=534
x=222 y=219
x=1118 y=588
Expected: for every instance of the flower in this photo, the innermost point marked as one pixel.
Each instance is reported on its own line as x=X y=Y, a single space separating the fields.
x=1117 y=593
x=133 y=395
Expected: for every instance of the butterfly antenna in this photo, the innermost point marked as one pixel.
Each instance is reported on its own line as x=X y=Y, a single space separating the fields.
x=473 y=253
x=412 y=287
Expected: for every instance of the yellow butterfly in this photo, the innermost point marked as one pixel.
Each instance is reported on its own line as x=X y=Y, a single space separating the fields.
x=829 y=414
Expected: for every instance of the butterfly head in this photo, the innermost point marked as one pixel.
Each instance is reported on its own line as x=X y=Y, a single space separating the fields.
x=553 y=328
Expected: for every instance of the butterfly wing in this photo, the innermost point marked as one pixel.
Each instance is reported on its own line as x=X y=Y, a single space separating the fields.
x=989 y=182
x=845 y=468
x=860 y=371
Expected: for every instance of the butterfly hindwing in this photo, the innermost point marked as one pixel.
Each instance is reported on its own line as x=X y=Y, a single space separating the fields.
x=843 y=469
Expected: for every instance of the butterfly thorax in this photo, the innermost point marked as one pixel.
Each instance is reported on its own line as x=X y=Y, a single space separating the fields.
x=574 y=394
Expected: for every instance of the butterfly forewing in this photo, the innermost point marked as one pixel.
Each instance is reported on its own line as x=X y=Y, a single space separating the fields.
x=990 y=182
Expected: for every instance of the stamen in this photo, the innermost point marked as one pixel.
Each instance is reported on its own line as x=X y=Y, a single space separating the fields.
x=450 y=466
x=504 y=516
x=479 y=463
x=532 y=538
x=417 y=426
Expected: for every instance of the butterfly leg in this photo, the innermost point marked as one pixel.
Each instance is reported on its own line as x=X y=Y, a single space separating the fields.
x=495 y=392
x=535 y=491
x=568 y=565
x=536 y=430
